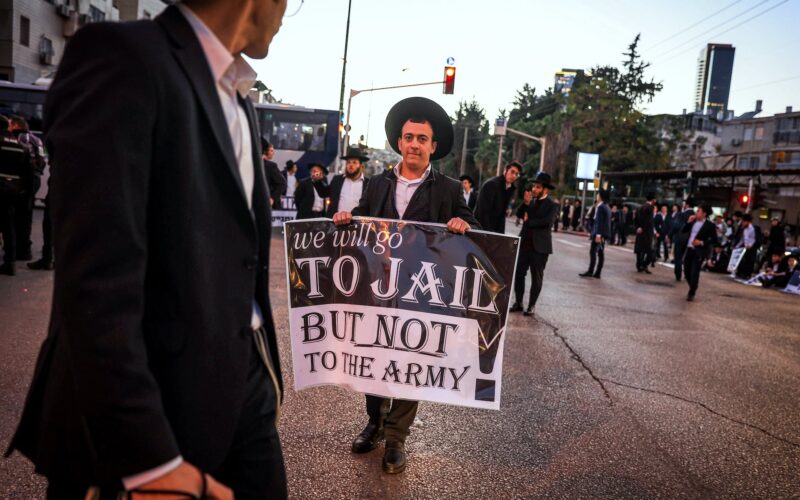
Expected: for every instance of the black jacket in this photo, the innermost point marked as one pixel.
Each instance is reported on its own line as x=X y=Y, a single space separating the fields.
x=644 y=221
x=447 y=200
x=493 y=201
x=602 y=222
x=275 y=181
x=707 y=234
x=472 y=202
x=304 y=197
x=335 y=191
x=159 y=256
x=536 y=231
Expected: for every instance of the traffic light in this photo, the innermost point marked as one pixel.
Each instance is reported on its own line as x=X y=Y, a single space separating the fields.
x=744 y=200
x=449 y=79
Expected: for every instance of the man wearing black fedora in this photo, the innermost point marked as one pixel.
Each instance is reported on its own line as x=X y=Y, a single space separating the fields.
x=538 y=211
x=346 y=189
x=601 y=232
x=494 y=197
x=470 y=196
x=311 y=193
x=275 y=181
x=421 y=131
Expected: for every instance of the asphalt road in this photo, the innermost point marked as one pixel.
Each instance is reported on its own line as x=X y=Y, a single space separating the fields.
x=618 y=388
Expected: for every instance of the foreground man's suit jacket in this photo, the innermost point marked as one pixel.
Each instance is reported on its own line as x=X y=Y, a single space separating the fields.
x=159 y=260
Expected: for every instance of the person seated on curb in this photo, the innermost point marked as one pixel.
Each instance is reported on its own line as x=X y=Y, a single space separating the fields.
x=779 y=271
x=718 y=260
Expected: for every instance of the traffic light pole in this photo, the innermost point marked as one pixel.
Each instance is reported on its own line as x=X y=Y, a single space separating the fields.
x=353 y=93
x=749 y=195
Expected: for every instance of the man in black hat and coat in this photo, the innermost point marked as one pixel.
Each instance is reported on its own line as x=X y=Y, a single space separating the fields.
x=494 y=197
x=601 y=232
x=311 y=194
x=538 y=211
x=346 y=189
x=470 y=195
x=644 y=234
x=275 y=180
x=421 y=131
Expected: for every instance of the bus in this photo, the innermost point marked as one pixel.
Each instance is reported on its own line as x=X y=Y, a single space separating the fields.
x=23 y=100
x=303 y=135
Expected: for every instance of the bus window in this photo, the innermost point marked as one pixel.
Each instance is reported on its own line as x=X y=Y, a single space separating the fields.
x=298 y=132
x=26 y=103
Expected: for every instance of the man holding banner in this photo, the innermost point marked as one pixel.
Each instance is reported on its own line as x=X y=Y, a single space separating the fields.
x=421 y=131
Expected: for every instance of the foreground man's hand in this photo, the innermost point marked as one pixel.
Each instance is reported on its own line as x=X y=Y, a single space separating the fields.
x=342 y=218
x=186 y=479
x=458 y=226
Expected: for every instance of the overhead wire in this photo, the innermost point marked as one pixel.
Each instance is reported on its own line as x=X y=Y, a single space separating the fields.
x=684 y=30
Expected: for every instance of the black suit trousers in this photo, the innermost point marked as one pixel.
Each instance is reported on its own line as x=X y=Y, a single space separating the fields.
x=536 y=262
x=693 y=263
x=596 y=257
x=397 y=416
x=253 y=468
x=678 y=251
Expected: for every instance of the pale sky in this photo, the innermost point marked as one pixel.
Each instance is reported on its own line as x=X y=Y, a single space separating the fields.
x=500 y=45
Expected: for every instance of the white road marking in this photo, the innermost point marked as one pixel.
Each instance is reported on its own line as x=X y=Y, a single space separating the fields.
x=570 y=243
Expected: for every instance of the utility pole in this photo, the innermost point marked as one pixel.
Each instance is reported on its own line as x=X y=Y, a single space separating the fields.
x=344 y=68
x=463 y=169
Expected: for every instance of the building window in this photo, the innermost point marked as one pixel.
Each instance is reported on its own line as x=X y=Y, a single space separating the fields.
x=759 y=133
x=24 y=31
x=96 y=14
x=748 y=134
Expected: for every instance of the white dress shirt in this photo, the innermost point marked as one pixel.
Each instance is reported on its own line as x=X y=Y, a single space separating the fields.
x=232 y=75
x=466 y=197
x=698 y=224
x=406 y=188
x=291 y=183
x=351 y=194
x=748 y=237
x=319 y=202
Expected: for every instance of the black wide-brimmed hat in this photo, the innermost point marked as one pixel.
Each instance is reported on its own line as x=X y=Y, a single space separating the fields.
x=543 y=178
x=320 y=165
x=467 y=178
x=355 y=153
x=422 y=108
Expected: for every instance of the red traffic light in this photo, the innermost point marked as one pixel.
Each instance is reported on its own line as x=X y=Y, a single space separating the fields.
x=744 y=198
x=449 y=79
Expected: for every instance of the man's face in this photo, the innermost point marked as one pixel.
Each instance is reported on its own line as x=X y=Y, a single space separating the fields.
x=467 y=185
x=512 y=174
x=625 y=209
x=269 y=153
x=537 y=190
x=700 y=214
x=664 y=210
x=353 y=167
x=774 y=222
x=265 y=20
x=674 y=208
x=316 y=173
x=776 y=259
x=416 y=145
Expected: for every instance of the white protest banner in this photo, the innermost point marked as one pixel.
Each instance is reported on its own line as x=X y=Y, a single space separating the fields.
x=399 y=309
x=736 y=257
x=794 y=284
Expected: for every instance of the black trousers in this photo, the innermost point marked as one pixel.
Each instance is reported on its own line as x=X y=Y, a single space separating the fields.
x=693 y=263
x=23 y=218
x=596 y=256
x=397 y=416
x=644 y=259
x=678 y=251
x=661 y=242
x=253 y=468
x=47 y=231
x=8 y=229
x=747 y=264
x=536 y=262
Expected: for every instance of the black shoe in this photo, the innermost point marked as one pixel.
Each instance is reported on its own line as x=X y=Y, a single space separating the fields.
x=528 y=311
x=690 y=297
x=587 y=274
x=646 y=271
x=9 y=269
x=516 y=308
x=41 y=265
x=26 y=256
x=596 y=275
x=394 y=458
x=368 y=439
